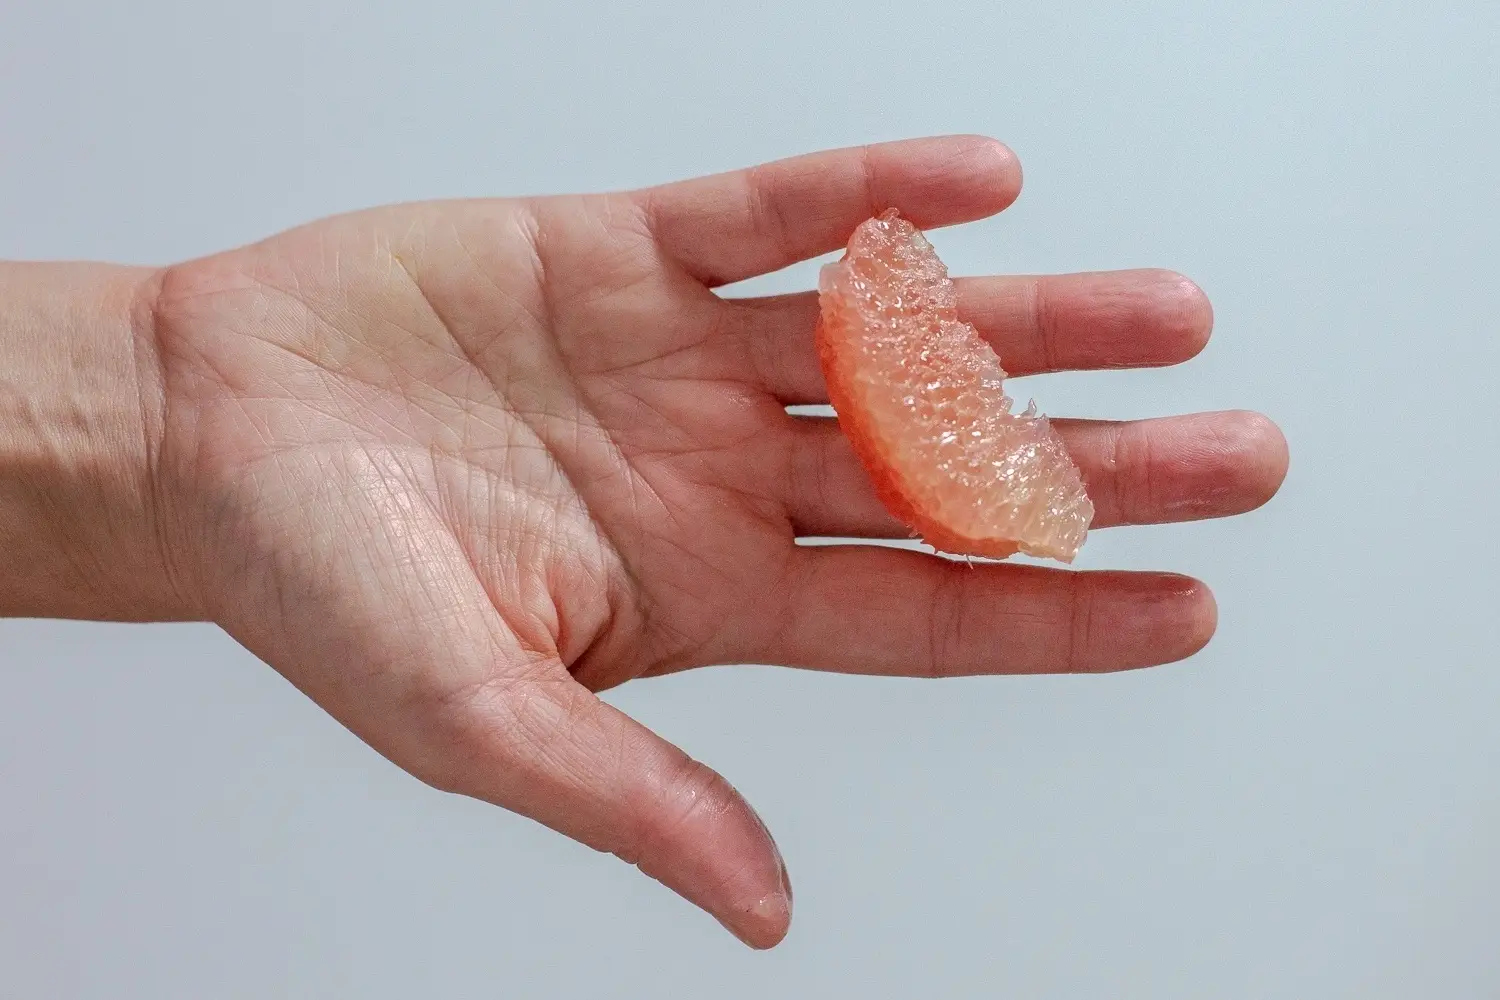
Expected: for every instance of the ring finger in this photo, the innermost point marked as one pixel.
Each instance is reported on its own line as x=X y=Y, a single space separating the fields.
x=1185 y=468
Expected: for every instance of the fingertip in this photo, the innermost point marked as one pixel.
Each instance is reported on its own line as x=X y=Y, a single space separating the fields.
x=1013 y=165
x=946 y=180
x=1183 y=619
x=998 y=169
x=1201 y=616
x=1181 y=313
x=1257 y=451
x=1000 y=164
x=1148 y=619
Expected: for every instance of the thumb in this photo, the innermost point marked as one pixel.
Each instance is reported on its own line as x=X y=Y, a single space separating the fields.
x=552 y=750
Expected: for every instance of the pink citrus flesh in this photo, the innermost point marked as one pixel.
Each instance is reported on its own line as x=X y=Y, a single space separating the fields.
x=921 y=397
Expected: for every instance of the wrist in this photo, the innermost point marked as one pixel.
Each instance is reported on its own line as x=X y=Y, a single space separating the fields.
x=81 y=504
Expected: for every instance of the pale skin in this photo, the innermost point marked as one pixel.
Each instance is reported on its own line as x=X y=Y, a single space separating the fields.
x=454 y=468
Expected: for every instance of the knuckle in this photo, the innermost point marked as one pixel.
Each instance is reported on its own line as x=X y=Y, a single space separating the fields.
x=1080 y=643
x=768 y=213
x=1043 y=321
x=946 y=623
x=1134 y=478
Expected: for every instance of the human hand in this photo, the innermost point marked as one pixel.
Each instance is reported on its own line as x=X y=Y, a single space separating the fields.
x=453 y=468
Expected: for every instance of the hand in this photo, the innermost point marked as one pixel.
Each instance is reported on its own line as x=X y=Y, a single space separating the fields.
x=452 y=468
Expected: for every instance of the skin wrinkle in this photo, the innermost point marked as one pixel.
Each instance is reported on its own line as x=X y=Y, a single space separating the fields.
x=592 y=295
x=372 y=528
x=1045 y=326
x=340 y=378
x=1109 y=478
x=1239 y=447
x=581 y=660
x=303 y=302
x=1081 y=628
x=636 y=368
x=768 y=216
x=143 y=313
x=945 y=621
x=492 y=696
x=1134 y=493
x=311 y=361
x=870 y=183
x=641 y=593
x=327 y=412
x=756 y=349
x=520 y=627
x=690 y=789
x=542 y=723
x=474 y=360
x=676 y=648
x=816 y=481
x=373 y=532
x=666 y=421
x=482 y=724
x=478 y=356
x=474 y=560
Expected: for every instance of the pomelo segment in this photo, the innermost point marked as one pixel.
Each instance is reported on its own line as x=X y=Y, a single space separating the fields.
x=921 y=396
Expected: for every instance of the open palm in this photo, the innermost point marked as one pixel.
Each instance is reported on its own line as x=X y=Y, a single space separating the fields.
x=453 y=467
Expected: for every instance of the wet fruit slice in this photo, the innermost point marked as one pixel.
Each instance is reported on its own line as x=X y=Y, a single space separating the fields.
x=921 y=397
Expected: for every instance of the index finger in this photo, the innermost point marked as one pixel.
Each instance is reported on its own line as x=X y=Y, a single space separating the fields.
x=731 y=226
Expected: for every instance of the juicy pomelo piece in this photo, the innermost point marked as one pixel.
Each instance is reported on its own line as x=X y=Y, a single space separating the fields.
x=921 y=397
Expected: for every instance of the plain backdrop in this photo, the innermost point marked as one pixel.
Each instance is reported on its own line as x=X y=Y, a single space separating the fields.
x=1309 y=808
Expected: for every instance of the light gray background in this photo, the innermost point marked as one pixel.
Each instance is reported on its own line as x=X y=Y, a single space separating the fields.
x=1309 y=808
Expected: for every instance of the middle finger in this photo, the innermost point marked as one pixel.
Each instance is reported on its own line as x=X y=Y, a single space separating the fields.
x=1114 y=319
